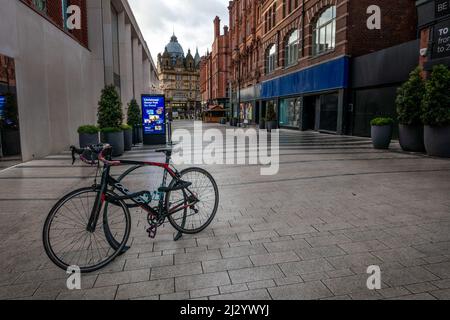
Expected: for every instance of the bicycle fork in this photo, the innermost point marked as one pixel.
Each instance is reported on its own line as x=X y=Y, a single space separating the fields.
x=99 y=203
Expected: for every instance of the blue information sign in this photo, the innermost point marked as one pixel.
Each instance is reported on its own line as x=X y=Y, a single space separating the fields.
x=2 y=105
x=153 y=114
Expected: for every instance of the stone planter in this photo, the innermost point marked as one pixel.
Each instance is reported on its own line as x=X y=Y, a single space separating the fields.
x=411 y=138
x=382 y=136
x=262 y=124
x=87 y=139
x=11 y=142
x=128 y=139
x=116 y=140
x=437 y=141
x=271 y=125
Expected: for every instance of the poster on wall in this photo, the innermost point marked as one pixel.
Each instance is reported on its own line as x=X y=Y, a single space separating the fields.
x=153 y=114
x=2 y=106
x=441 y=48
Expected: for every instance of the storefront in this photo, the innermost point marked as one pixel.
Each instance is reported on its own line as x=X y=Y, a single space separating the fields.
x=310 y=99
x=249 y=108
x=434 y=26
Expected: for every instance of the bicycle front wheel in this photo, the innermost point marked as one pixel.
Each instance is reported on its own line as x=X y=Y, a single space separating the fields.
x=199 y=216
x=67 y=241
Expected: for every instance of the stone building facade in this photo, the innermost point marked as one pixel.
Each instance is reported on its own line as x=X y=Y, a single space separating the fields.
x=179 y=76
x=59 y=73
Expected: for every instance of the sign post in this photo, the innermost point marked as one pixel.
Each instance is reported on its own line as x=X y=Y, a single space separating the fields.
x=154 y=119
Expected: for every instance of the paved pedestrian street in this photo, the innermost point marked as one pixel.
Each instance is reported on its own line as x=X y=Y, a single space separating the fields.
x=336 y=207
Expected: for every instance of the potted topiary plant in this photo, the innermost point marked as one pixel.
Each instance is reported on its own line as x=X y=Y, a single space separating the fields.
x=382 y=129
x=127 y=136
x=134 y=119
x=110 y=119
x=262 y=123
x=409 y=100
x=436 y=112
x=88 y=135
x=10 y=127
x=271 y=119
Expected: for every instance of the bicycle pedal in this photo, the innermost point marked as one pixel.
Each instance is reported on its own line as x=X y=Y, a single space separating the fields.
x=152 y=232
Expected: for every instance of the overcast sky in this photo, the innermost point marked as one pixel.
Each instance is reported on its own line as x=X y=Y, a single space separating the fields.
x=191 y=19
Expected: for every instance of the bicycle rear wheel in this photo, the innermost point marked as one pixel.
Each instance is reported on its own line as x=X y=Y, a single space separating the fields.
x=199 y=216
x=67 y=241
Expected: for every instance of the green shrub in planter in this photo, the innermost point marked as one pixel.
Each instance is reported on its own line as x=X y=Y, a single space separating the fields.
x=127 y=136
x=134 y=119
x=9 y=125
x=436 y=112
x=88 y=135
x=271 y=119
x=110 y=118
x=409 y=110
x=382 y=129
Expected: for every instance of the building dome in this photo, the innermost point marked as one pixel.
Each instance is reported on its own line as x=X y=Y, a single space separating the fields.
x=174 y=48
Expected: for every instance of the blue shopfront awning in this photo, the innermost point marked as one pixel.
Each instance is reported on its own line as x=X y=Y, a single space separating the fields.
x=326 y=76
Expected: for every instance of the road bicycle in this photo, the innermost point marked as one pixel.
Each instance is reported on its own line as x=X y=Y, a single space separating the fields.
x=90 y=227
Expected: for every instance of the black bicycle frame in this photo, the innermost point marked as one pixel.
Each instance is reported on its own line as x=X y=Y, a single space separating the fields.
x=136 y=198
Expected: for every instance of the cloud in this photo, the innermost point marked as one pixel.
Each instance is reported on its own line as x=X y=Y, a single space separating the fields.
x=192 y=21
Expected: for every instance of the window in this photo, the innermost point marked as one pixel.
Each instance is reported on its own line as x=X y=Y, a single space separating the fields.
x=40 y=5
x=324 y=32
x=292 y=47
x=271 y=59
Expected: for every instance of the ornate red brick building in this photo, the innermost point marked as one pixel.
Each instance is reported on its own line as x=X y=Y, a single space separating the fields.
x=214 y=69
x=295 y=55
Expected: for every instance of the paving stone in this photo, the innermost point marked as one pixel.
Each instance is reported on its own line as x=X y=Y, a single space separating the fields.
x=261 y=284
x=183 y=295
x=176 y=271
x=421 y=287
x=286 y=245
x=405 y=276
x=297 y=230
x=257 y=235
x=442 y=284
x=18 y=291
x=441 y=294
x=255 y=274
x=243 y=251
x=288 y=280
x=304 y=267
x=145 y=289
x=442 y=270
x=226 y=264
x=320 y=252
x=197 y=256
x=109 y=279
x=233 y=288
x=274 y=258
x=301 y=291
x=260 y=294
x=419 y=296
x=327 y=240
x=354 y=260
x=202 y=281
x=105 y=293
x=200 y=293
x=347 y=285
x=146 y=263
x=364 y=246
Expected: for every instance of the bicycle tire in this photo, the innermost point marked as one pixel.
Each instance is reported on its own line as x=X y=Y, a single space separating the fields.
x=59 y=261
x=172 y=218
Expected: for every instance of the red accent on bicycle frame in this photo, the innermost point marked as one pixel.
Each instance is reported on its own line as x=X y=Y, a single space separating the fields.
x=103 y=198
x=162 y=165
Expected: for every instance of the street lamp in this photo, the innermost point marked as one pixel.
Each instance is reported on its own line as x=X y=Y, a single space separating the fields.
x=236 y=50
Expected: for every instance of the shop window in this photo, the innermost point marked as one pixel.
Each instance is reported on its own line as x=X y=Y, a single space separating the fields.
x=290 y=112
x=292 y=47
x=324 y=33
x=271 y=58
